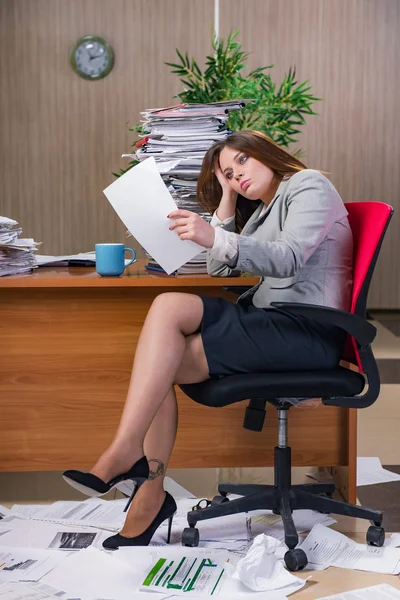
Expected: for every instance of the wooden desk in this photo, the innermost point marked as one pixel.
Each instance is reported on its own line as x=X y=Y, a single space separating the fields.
x=68 y=339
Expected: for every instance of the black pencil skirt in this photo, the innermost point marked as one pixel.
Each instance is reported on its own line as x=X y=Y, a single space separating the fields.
x=241 y=339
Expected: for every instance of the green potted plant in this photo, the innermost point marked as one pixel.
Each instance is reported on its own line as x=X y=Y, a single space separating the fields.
x=277 y=110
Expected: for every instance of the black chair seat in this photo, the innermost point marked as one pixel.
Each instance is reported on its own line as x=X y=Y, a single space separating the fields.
x=300 y=384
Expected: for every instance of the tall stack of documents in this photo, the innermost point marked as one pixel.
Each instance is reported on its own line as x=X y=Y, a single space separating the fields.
x=178 y=137
x=16 y=254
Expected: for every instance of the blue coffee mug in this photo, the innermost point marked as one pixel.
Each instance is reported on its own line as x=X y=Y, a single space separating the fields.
x=110 y=259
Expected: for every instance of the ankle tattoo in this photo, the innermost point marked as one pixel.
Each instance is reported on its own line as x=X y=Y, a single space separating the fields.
x=157 y=468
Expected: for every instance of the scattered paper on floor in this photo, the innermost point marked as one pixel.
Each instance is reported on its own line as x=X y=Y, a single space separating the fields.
x=393 y=541
x=303 y=519
x=376 y=592
x=22 y=564
x=325 y=546
x=106 y=514
x=370 y=472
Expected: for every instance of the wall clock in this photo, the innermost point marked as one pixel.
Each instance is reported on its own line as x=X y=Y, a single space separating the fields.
x=92 y=57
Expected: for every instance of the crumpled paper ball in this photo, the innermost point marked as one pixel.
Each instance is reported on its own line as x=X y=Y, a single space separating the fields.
x=260 y=570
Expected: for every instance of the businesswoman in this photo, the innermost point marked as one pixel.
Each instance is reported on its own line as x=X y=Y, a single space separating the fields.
x=272 y=217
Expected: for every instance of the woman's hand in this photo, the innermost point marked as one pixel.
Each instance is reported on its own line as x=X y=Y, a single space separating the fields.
x=190 y=226
x=224 y=183
x=227 y=205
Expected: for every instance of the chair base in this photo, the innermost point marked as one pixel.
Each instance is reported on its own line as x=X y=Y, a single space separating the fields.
x=282 y=498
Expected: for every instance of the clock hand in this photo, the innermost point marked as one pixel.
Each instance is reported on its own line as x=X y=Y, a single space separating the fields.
x=96 y=56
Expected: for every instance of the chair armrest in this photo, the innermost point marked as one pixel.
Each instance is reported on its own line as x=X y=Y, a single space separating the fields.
x=356 y=326
x=361 y=330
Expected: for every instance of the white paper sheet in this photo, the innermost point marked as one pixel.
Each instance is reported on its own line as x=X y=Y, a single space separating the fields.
x=142 y=201
x=327 y=547
x=26 y=511
x=393 y=541
x=104 y=514
x=236 y=590
x=21 y=564
x=93 y=574
x=30 y=591
x=272 y=525
x=376 y=592
x=231 y=590
x=370 y=471
x=231 y=531
x=4 y=512
x=52 y=536
x=237 y=547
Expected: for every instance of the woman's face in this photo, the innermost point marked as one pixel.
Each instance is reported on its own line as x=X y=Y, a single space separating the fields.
x=246 y=175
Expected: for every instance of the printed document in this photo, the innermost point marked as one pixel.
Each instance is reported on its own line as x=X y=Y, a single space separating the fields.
x=93 y=512
x=189 y=575
x=142 y=201
x=328 y=547
x=21 y=564
x=40 y=534
x=30 y=591
x=91 y=573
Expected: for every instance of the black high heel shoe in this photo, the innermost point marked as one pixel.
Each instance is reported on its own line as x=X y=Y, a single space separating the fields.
x=93 y=486
x=166 y=511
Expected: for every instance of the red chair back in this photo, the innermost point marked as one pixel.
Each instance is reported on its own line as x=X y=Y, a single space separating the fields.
x=369 y=222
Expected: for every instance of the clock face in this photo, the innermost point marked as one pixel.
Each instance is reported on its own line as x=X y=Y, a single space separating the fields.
x=92 y=57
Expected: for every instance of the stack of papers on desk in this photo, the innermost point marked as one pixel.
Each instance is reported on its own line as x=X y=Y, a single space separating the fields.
x=83 y=259
x=178 y=137
x=87 y=259
x=196 y=265
x=16 y=254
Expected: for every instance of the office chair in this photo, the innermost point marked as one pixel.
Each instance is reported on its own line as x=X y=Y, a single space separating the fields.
x=337 y=387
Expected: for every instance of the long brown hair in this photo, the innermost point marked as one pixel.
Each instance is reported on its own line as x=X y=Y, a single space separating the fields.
x=254 y=144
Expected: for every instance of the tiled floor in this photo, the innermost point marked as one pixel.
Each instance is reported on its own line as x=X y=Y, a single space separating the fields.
x=378 y=435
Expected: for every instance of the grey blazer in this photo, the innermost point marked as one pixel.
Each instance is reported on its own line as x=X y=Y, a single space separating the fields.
x=302 y=247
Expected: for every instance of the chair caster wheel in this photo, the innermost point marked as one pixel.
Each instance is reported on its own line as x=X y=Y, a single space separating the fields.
x=296 y=559
x=375 y=536
x=190 y=537
x=217 y=500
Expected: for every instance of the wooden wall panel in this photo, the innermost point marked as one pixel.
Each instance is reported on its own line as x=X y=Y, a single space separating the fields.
x=349 y=49
x=61 y=136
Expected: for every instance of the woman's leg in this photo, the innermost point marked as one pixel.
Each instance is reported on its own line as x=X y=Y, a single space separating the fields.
x=159 y=443
x=167 y=353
